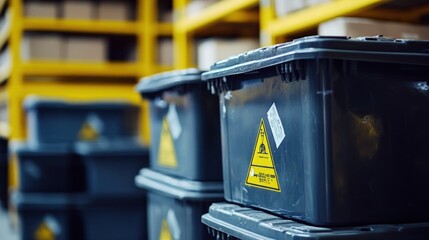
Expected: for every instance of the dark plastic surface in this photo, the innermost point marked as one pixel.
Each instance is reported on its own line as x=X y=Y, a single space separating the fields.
x=57 y=121
x=181 y=189
x=230 y=221
x=4 y=173
x=111 y=167
x=355 y=146
x=158 y=83
x=197 y=148
x=55 y=210
x=48 y=168
x=178 y=202
x=81 y=216
x=374 y=49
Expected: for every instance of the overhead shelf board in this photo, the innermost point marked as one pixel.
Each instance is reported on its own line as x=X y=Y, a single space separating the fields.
x=54 y=68
x=212 y=14
x=88 y=26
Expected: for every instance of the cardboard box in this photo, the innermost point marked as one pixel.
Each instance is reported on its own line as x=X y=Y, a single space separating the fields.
x=86 y=49
x=41 y=9
x=74 y=9
x=283 y=7
x=353 y=27
x=196 y=6
x=357 y=27
x=165 y=52
x=213 y=50
x=407 y=31
x=42 y=47
x=315 y=2
x=113 y=10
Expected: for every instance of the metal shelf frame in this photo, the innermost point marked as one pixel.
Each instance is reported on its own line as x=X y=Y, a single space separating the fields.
x=146 y=28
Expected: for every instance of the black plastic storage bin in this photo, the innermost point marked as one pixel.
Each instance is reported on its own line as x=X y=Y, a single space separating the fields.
x=175 y=205
x=111 y=167
x=60 y=121
x=4 y=173
x=113 y=218
x=47 y=216
x=231 y=221
x=185 y=128
x=48 y=168
x=328 y=130
x=81 y=216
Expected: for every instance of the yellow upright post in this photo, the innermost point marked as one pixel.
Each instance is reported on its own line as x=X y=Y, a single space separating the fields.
x=182 y=41
x=266 y=17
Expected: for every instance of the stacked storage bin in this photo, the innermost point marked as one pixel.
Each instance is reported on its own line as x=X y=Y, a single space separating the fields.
x=77 y=171
x=4 y=173
x=327 y=135
x=185 y=174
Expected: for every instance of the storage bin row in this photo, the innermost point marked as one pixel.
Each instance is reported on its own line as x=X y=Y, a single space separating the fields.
x=56 y=121
x=98 y=168
x=78 y=216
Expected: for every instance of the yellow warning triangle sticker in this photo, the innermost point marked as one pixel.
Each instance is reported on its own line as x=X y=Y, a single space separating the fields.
x=167 y=154
x=43 y=232
x=165 y=231
x=88 y=133
x=262 y=172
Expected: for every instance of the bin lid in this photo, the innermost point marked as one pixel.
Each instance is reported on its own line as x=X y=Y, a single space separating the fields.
x=179 y=188
x=68 y=201
x=22 y=148
x=156 y=84
x=46 y=200
x=129 y=147
x=247 y=223
x=34 y=101
x=373 y=49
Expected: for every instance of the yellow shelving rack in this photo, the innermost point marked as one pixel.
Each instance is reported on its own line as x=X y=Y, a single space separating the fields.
x=146 y=29
x=273 y=28
x=185 y=26
x=110 y=80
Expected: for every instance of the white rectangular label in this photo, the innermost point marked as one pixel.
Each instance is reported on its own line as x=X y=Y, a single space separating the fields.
x=276 y=125
x=173 y=121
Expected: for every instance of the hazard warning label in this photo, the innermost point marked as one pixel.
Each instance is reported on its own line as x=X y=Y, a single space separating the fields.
x=166 y=154
x=262 y=172
x=165 y=233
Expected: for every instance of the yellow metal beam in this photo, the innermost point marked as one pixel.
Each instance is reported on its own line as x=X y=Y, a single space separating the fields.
x=81 y=26
x=317 y=14
x=54 y=68
x=84 y=91
x=212 y=14
x=16 y=118
x=242 y=17
x=267 y=16
x=164 y=29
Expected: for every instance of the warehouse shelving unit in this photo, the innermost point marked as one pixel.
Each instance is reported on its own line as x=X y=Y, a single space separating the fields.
x=17 y=72
x=76 y=80
x=272 y=29
x=186 y=26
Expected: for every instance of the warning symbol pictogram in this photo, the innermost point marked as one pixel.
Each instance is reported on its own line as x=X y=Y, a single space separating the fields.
x=166 y=154
x=165 y=231
x=262 y=172
x=88 y=133
x=44 y=232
